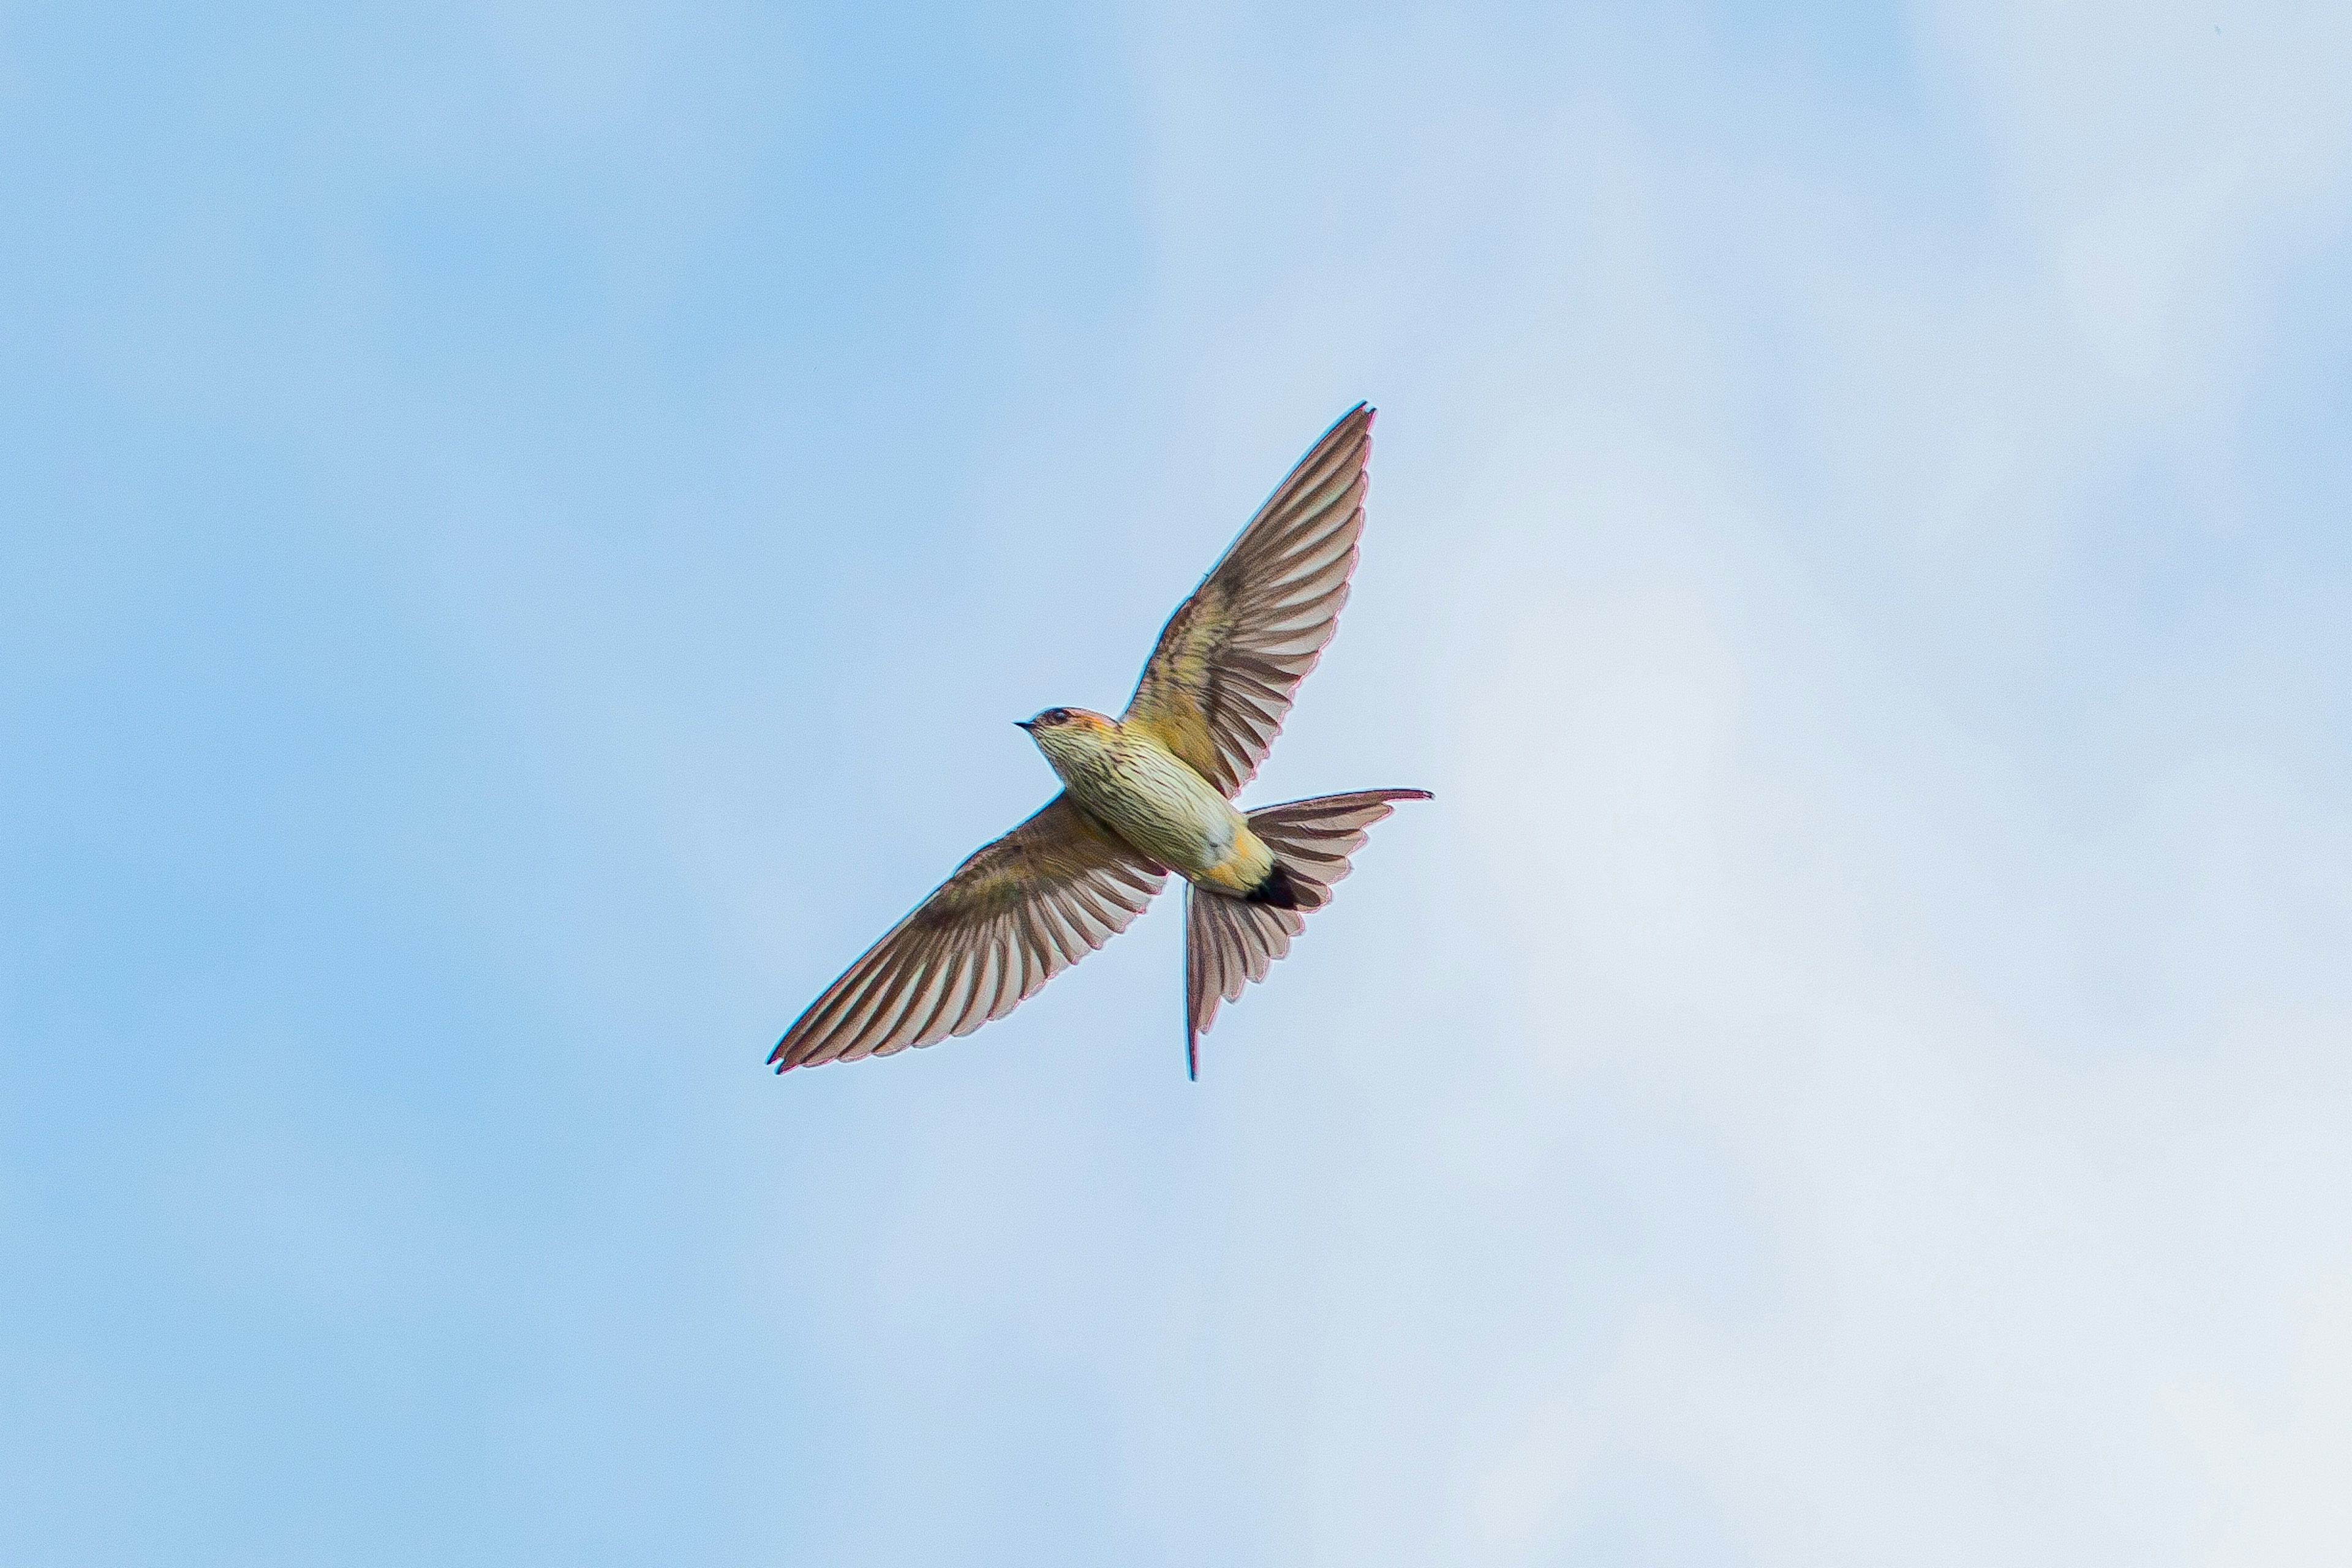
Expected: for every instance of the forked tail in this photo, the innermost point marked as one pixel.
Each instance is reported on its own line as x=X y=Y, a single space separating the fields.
x=1229 y=942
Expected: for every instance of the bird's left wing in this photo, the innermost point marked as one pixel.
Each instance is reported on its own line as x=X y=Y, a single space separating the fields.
x=1016 y=914
x=1220 y=681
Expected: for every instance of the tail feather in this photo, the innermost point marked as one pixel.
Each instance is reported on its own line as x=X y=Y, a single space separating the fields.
x=1232 y=942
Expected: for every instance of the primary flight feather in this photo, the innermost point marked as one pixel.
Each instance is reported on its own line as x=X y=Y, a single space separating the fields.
x=1144 y=794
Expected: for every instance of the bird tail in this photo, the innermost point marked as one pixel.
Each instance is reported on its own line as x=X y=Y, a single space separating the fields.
x=1229 y=942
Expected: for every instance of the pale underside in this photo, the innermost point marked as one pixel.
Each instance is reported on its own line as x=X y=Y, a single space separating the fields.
x=1155 y=801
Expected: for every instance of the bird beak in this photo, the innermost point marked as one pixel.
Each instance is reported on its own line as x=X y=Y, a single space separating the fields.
x=1028 y=724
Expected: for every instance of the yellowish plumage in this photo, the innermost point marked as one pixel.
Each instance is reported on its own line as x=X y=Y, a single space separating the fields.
x=1155 y=800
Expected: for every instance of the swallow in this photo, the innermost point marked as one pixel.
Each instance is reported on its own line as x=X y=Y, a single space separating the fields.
x=1146 y=793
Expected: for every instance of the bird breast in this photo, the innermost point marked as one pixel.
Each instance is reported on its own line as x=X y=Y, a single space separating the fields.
x=1157 y=803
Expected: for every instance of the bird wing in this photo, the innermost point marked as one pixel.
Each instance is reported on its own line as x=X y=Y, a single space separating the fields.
x=1218 y=684
x=1018 y=912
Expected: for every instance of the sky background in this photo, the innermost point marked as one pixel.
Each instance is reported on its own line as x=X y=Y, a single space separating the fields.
x=522 y=528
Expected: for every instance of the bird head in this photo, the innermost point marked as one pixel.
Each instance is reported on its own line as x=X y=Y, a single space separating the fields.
x=1065 y=734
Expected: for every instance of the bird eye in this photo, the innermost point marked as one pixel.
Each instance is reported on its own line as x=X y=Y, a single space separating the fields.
x=1057 y=715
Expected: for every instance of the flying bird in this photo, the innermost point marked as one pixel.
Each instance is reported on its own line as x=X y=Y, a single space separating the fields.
x=1143 y=794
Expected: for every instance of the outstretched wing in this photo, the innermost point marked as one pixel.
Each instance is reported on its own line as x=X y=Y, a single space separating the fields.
x=1016 y=914
x=1221 y=678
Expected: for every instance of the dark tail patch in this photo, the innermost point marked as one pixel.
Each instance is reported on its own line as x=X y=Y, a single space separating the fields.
x=1278 y=890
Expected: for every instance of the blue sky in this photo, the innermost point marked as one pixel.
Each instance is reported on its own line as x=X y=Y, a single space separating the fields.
x=525 y=526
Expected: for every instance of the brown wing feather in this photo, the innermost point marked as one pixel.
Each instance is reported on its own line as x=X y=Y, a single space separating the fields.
x=1016 y=914
x=1221 y=680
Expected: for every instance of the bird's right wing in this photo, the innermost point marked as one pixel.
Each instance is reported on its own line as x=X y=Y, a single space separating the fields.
x=1016 y=914
x=1217 y=686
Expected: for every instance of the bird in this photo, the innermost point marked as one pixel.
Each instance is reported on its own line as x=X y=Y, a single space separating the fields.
x=1146 y=795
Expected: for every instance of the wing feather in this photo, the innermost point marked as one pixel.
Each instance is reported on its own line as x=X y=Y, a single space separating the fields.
x=943 y=1001
x=1016 y=913
x=1228 y=663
